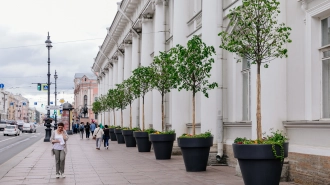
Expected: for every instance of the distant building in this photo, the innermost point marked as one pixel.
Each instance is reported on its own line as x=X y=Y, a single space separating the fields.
x=85 y=93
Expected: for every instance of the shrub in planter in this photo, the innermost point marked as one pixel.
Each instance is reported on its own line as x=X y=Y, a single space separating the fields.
x=128 y=136
x=142 y=139
x=259 y=38
x=263 y=157
x=119 y=135
x=112 y=133
x=162 y=143
x=195 y=150
x=194 y=64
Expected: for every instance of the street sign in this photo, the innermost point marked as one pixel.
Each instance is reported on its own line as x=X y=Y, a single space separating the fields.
x=62 y=100
x=2 y=86
x=44 y=87
x=53 y=107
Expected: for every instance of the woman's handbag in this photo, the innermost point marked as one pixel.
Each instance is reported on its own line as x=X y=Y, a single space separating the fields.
x=94 y=136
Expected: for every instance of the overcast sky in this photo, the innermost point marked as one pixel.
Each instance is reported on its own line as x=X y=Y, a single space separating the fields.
x=76 y=28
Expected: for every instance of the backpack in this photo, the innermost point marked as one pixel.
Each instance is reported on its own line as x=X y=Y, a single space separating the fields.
x=81 y=128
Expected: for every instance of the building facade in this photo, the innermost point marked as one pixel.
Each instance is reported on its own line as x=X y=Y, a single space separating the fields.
x=85 y=93
x=295 y=90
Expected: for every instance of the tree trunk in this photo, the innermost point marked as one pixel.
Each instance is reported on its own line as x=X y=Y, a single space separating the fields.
x=142 y=113
x=163 y=124
x=122 y=122
x=259 y=130
x=130 y=115
x=194 y=121
x=114 y=117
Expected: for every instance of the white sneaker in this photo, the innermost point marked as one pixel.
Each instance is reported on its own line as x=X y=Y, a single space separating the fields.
x=57 y=176
x=62 y=175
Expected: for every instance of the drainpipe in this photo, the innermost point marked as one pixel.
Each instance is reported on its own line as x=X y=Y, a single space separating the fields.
x=220 y=94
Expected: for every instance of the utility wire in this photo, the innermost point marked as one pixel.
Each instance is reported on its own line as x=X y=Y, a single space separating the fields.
x=52 y=43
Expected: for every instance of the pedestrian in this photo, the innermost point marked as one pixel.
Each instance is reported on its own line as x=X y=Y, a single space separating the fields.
x=81 y=130
x=77 y=126
x=73 y=126
x=93 y=126
x=58 y=139
x=98 y=134
x=106 y=137
x=87 y=130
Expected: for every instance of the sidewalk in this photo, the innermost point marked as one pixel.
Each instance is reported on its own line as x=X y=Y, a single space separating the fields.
x=118 y=165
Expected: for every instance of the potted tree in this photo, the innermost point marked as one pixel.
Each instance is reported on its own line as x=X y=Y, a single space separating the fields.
x=258 y=37
x=112 y=105
x=129 y=97
x=142 y=85
x=119 y=96
x=164 y=79
x=194 y=64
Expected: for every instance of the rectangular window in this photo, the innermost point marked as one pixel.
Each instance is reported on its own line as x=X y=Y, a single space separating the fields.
x=246 y=90
x=325 y=31
x=326 y=88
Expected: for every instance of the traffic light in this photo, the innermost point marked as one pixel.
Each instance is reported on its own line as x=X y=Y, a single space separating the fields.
x=55 y=112
x=39 y=87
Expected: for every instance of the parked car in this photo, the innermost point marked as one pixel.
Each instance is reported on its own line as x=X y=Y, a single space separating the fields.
x=3 y=124
x=11 y=130
x=11 y=122
x=20 y=125
x=29 y=127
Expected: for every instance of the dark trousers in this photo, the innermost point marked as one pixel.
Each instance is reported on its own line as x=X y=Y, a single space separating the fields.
x=87 y=133
x=106 y=140
x=92 y=132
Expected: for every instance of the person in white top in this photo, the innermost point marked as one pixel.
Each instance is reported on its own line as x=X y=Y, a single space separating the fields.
x=58 y=139
x=98 y=133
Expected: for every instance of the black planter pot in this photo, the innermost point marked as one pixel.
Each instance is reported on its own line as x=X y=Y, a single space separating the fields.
x=195 y=152
x=112 y=134
x=258 y=164
x=142 y=141
x=119 y=136
x=129 y=139
x=163 y=145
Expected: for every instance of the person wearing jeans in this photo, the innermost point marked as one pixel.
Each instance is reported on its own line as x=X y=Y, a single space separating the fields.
x=58 y=139
x=98 y=133
x=106 y=137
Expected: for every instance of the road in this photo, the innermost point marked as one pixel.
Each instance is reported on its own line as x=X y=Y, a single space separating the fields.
x=12 y=145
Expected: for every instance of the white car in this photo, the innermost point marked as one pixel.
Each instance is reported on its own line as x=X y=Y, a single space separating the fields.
x=11 y=130
x=29 y=127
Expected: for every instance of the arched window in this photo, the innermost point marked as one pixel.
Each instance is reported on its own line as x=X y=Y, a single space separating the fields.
x=85 y=100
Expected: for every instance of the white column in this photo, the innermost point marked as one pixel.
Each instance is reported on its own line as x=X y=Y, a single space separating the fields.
x=115 y=81
x=127 y=74
x=179 y=101
x=146 y=60
x=211 y=109
x=135 y=64
x=120 y=68
x=110 y=87
x=106 y=87
x=159 y=46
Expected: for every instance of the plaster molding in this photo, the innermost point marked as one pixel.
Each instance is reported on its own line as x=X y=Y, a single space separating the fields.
x=237 y=124
x=318 y=8
x=307 y=124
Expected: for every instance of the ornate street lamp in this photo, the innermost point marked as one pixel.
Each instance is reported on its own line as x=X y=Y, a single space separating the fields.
x=48 y=120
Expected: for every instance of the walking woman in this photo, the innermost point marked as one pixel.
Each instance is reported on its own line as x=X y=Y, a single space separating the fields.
x=98 y=134
x=87 y=128
x=58 y=139
x=106 y=137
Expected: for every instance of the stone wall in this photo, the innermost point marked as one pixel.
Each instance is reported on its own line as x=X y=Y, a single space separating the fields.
x=309 y=169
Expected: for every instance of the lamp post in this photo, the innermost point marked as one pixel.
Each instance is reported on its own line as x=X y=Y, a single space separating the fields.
x=48 y=120
x=55 y=76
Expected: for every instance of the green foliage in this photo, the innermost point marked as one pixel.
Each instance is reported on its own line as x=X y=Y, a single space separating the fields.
x=96 y=107
x=112 y=126
x=129 y=92
x=142 y=80
x=120 y=97
x=126 y=128
x=150 y=130
x=256 y=34
x=194 y=64
x=276 y=138
x=201 y=135
x=111 y=99
x=164 y=132
x=164 y=74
